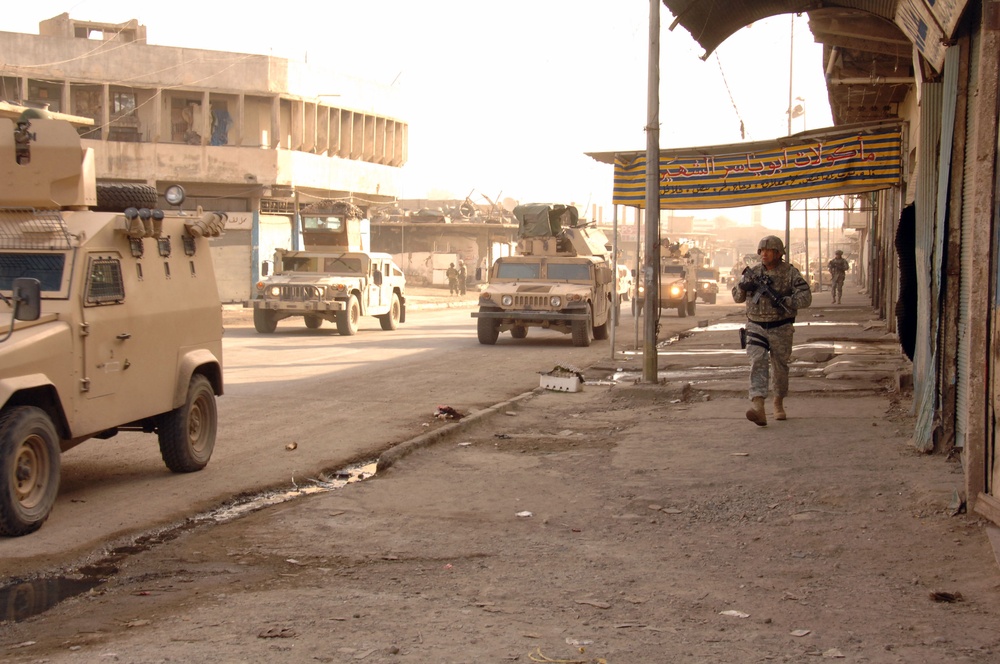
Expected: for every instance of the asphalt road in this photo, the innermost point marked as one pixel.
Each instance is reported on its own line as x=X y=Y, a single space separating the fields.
x=335 y=400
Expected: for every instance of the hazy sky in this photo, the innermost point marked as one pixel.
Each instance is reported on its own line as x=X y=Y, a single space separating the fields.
x=507 y=97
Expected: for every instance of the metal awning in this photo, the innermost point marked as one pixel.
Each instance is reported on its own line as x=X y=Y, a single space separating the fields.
x=848 y=159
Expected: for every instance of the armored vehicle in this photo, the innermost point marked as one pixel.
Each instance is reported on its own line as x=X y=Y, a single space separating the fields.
x=708 y=284
x=110 y=317
x=562 y=280
x=678 y=288
x=333 y=279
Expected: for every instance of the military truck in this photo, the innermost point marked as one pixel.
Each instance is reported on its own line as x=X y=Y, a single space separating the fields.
x=110 y=317
x=708 y=284
x=561 y=280
x=678 y=287
x=334 y=279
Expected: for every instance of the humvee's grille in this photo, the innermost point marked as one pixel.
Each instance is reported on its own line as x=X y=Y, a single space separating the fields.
x=531 y=301
x=301 y=293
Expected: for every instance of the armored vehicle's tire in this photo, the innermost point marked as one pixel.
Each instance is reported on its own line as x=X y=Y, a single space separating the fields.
x=488 y=330
x=265 y=321
x=347 y=320
x=313 y=322
x=187 y=434
x=691 y=307
x=390 y=321
x=29 y=469
x=519 y=332
x=601 y=332
x=583 y=330
x=118 y=197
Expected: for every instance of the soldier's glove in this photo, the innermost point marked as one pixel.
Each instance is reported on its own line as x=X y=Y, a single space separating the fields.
x=787 y=301
x=746 y=286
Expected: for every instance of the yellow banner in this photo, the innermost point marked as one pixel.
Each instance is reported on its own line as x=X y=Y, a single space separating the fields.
x=846 y=164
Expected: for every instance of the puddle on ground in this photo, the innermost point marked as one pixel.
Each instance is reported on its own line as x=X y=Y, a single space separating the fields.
x=26 y=598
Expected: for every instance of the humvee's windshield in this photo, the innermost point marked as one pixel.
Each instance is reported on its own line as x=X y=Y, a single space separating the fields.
x=47 y=268
x=673 y=269
x=340 y=265
x=519 y=270
x=706 y=274
x=569 y=271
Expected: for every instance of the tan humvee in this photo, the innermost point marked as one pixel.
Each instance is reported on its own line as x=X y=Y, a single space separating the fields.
x=333 y=280
x=678 y=286
x=562 y=280
x=110 y=320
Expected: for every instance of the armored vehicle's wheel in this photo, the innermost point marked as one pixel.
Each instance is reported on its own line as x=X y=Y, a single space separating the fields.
x=118 y=197
x=519 y=332
x=691 y=307
x=187 y=434
x=390 y=321
x=347 y=320
x=488 y=330
x=710 y=298
x=314 y=322
x=29 y=469
x=583 y=330
x=682 y=310
x=602 y=332
x=265 y=321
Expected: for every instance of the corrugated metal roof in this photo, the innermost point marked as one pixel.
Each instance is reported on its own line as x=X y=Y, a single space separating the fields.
x=711 y=22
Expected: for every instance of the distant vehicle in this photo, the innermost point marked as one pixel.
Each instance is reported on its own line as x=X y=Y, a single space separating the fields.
x=110 y=317
x=678 y=287
x=332 y=280
x=708 y=284
x=561 y=281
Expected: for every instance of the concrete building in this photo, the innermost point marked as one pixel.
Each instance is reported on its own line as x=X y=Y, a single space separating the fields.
x=252 y=135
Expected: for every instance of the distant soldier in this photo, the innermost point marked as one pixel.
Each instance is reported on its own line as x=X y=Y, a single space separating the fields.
x=452 y=275
x=774 y=292
x=463 y=276
x=838 y=271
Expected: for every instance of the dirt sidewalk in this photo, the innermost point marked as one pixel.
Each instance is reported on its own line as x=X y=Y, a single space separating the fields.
x=622 y=523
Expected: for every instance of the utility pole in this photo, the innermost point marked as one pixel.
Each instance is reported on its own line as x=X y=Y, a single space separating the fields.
x=651 y=271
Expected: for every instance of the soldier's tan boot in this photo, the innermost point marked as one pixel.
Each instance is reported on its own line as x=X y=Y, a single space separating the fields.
x=756 y=413
x=779 y=408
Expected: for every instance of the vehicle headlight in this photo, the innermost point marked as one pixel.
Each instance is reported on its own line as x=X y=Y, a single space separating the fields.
x=555 y=301
x=274 y=291
x=507 y=300
x=675 y=291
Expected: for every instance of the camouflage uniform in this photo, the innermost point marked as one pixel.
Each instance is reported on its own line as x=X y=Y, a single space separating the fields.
x=769 y=328
x=838 y=270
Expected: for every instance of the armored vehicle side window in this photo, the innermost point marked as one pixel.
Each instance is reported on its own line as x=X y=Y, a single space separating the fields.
x=47 y=268
x=519 y=271
x=104 y=282
x=569 y=271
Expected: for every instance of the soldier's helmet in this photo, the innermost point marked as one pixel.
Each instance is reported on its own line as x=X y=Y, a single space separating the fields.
x=839 y=252
x=771 y=242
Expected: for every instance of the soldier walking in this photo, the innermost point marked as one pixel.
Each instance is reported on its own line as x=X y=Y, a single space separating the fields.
x=452 y=275
x=774 y=291
x=838 y=271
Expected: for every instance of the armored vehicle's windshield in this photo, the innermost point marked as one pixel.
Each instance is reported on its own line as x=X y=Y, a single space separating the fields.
x=339 y=265
x=519 y=270
x=569 y=271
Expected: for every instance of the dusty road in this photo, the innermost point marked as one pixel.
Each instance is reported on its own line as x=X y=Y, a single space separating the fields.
x=336 y=400
x=621 y=524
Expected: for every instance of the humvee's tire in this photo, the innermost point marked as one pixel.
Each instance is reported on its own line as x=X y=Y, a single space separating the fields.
x=519 y=332
x=583 y=330
x=265 y=321
x=347 y=320
x=390 y=321
x=314 y=322
x=691 y=307
x=601 y=332
x=118 y=197
x=187 y=433
x=488 y=330
x=29 y=469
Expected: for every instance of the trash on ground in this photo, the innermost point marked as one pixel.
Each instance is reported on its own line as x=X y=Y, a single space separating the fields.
x=800 y=632
x=277 y=633
x=941 y=596
x=291 y=446
x=734 y=614
x=447 y=413
x=562 y=379
x=525 y=514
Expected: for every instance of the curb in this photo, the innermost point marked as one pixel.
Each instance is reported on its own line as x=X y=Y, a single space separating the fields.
x=389 y=458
